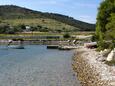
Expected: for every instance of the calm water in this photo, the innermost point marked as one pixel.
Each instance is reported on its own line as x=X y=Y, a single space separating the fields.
x=36 y=66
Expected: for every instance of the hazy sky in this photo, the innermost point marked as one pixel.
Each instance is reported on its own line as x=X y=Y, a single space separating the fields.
x=85 y=10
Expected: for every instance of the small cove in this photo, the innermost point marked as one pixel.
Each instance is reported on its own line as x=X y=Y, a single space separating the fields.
x=36 y=66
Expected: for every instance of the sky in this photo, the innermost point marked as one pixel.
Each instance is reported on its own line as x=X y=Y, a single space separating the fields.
x=84 y=10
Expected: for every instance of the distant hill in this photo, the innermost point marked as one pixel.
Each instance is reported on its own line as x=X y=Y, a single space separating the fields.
x=10 y=13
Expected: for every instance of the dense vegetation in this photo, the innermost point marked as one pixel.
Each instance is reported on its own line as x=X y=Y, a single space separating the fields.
x=105 y=26
x=14 y=16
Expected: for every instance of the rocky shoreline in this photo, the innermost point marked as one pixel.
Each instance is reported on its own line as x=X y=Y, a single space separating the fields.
x=91 y=69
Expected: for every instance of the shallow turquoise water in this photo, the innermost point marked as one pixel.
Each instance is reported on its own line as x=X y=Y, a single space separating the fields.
x=36 y=66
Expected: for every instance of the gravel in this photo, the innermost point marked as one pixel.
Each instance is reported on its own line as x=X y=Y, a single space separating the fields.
x=93 y=64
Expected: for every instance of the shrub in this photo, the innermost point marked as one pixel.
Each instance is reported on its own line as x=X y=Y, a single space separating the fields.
x=66 y=35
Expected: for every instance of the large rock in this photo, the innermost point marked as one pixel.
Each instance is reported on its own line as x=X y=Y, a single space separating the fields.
x=90 y=45
x=111 y=56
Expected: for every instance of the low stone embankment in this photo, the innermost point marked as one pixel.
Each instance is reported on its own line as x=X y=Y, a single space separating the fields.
x=91 y=69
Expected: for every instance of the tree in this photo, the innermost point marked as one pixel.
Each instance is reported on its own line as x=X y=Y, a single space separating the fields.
x=66 y=35
x=23 y=27
x=4 y=28
x=105 y=27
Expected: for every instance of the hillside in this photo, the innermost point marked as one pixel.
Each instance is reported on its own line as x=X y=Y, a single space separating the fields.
x=15 y=15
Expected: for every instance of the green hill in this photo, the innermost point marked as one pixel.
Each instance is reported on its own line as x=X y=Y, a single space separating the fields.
x=15 y=15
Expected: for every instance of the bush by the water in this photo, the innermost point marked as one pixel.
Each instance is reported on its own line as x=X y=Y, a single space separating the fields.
x=66 y=35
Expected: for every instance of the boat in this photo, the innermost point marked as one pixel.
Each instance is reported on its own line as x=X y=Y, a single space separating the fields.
x=52 y=46
x=16 y=47
x=20 y=46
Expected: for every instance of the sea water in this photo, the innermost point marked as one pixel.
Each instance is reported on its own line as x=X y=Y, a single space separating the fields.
x=36 y=66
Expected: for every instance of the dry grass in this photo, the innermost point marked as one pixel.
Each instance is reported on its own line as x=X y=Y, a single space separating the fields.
x=49 y=23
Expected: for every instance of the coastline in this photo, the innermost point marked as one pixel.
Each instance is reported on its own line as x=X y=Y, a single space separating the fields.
x=90 y=70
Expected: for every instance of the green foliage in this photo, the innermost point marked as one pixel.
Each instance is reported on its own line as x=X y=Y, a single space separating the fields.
x=44 y=29
x=105 y=26
x=5 y=28
x=71 y=21
x=94 y=38
x=19 y=28
x=112 y=63
x=110 y=26
x=23 y=27
x=66 y=35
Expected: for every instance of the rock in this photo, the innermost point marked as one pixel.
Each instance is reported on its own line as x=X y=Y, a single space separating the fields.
x=111 y=56
x=106 y=52
x=90 y=45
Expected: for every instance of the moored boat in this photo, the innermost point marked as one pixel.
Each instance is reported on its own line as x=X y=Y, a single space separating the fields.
x=16 y=46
